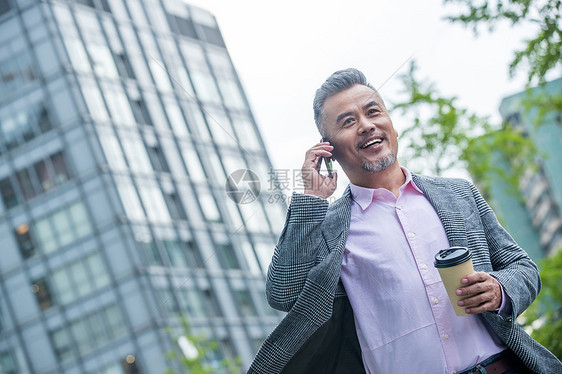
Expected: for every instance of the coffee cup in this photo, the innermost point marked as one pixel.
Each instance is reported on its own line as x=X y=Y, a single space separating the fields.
x=453 y=264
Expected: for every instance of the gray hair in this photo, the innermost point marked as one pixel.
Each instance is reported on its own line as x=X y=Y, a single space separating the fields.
x=340 y=81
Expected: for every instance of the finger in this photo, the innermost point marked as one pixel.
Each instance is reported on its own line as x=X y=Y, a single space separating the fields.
x=474 y=289
x=475 y=300
x=475 y=277
x=319 y=151
x=315 y=157
x=489 y=306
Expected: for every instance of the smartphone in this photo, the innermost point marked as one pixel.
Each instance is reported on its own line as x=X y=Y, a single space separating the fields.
x=328 y=162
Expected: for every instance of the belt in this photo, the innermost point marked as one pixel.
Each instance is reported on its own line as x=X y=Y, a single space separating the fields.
x=507 y=361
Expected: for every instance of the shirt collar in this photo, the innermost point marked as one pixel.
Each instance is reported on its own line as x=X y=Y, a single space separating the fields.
x=365 y=196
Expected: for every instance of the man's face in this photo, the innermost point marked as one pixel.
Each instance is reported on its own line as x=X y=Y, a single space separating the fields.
x=361 y=131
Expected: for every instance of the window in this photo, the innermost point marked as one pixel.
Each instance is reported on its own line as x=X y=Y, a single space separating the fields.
x=26 y=185
x=181 y=25
x=154 y=203
x=115 y=321
x=136 y=152
x=89 y=3
x=227 y=256
x=193 y=255
x=17 y=70
x=8 y=363
x=79 y=278
x=8 y=194
x=81 y=335
x=62 y=286
x=54 y=230
x=176 y=254
x=48 y=173
x=88 y=332
x=60 y=168
x=175 y=206
x=193 y=163
x=157 y=159
x=149 y=252
x=209 y=207
x=62 y=344
x=25 y=243
x=213 y=35
x=4 y=8
x=130 y=200
x=190 y=300
x=246 y=304
x=41 y=290
x=124 y=67
x=140 y=112
x=211 y=304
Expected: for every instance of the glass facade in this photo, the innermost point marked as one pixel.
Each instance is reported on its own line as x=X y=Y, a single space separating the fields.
x=120 y=122
x=535 y=220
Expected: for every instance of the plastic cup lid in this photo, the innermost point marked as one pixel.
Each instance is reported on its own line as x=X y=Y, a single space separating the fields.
x=452 y=256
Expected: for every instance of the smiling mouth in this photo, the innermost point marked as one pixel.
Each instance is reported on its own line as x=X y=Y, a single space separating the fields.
x=371 y=143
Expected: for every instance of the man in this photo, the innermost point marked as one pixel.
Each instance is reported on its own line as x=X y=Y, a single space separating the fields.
x=357 y=278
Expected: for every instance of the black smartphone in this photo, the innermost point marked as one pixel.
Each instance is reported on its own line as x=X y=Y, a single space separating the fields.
x=328 y=162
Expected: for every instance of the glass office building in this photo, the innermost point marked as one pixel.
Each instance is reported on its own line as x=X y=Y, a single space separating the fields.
x=535 y=218
x=120 y=121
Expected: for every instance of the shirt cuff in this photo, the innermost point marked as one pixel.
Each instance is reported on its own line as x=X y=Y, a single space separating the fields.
x=505 y=306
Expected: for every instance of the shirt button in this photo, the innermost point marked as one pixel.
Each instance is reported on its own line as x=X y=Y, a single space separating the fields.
x=411 y=235
x=424 y=266
x=446 y=336
x=435 y=301
x=399 y=207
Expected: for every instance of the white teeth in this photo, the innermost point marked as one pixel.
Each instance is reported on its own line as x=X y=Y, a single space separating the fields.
x=372 y=142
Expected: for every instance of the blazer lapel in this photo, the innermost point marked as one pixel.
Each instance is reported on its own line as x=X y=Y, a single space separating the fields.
x=337 y=222
x=444 y=201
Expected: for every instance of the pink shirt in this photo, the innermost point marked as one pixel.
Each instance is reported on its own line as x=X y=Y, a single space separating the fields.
x=404 y=319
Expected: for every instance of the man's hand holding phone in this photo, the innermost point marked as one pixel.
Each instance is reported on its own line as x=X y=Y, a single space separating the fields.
x=315 y=183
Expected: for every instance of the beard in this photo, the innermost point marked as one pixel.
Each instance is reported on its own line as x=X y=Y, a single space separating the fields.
x=380 y=164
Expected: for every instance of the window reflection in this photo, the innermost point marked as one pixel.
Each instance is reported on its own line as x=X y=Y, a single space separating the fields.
x=193 y=163
x=130 y=199
x=16 y=70
x=42 y=293
x=43 y=176
x=94 y=100
x=54 y=230
x=135 y=150
x=154 y=203
x=247 y=134
x=112 y=150
x=209 y=207
x=89 y=332
x=8 y=193
x=24 y=120
x=219 y=124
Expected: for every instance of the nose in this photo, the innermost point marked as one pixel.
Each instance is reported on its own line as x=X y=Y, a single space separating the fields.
x=365 y=126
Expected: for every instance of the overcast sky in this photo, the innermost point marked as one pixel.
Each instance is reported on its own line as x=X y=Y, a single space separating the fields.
x=284 y=50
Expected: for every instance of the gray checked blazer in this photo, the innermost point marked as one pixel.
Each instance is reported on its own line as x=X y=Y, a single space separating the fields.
x=318 y=333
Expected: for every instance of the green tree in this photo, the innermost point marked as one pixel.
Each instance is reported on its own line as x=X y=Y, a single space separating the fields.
x=542 y=53
x=544 y=316
x=443 y=136
x=196 y=354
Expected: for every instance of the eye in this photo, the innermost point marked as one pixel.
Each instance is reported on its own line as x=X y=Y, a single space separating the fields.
x=372 y=111
x=348 y=121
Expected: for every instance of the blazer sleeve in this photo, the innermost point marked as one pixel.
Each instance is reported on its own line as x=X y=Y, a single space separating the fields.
x=296 y=250
x=512 y=266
